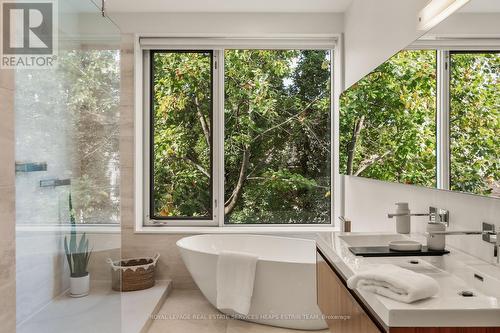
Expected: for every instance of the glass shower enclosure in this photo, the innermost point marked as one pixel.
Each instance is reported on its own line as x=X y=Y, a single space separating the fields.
x=67 y=146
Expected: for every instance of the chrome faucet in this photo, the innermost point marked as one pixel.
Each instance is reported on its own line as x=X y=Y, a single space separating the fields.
x=436 y=215
x=346 y=224
x=489 y=233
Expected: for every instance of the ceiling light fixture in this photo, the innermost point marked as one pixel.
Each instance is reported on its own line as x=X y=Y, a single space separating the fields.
x=436 y=11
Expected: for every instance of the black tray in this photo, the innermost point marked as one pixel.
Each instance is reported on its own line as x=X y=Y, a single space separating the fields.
x=384 y=251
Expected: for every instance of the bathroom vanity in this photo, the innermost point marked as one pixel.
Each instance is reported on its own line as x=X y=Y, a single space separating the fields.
x=334 y=299
x=458 y=274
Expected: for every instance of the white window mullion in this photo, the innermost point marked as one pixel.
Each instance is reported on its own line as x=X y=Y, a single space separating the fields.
x=443 y=120
x=219 y=135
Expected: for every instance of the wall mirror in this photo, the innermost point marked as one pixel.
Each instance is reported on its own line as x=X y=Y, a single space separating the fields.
x=430 y=115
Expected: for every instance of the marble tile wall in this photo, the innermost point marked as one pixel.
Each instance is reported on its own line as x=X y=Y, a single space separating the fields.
x=7 y=204
x=170 y=265
x=41 y=273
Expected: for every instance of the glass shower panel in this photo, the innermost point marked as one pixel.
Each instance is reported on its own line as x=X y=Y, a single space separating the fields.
x=67 y=144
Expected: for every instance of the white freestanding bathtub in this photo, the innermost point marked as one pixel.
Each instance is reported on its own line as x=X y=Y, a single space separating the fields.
x=284 y=292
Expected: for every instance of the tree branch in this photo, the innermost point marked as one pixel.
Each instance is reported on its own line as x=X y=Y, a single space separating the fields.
x=100 y=144
x=286 y=121
x=370 y=161
x=198 y=166
x=230 y=204
x=351 y=146
x=267 y=178
x=203 y=121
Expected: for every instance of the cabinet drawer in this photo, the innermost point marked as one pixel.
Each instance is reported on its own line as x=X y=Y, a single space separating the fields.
x=336 y=303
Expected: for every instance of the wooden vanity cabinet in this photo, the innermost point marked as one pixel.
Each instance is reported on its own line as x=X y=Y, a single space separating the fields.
x=336 y=302
x=335 y=299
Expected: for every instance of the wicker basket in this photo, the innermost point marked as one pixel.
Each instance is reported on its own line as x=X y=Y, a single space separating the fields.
x=133 y=274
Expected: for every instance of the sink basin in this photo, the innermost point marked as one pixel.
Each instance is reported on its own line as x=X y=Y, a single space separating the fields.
x=418 y=266
x=469 y=287
x=371 y=240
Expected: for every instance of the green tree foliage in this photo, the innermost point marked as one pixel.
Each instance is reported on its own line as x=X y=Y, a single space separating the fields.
x=277 y=135
x=91 y=93
x=277 y=144
x=182 y=133
x=475 y=123
x=388 y=126
x=387 y=121
x=69 y=117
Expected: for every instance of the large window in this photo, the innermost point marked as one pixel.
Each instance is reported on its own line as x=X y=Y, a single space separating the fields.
x=240 y=136
x=475 y=122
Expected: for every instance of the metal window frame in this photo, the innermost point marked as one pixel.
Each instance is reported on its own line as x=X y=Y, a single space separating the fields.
x=447 y=135
x=146 y=175
x=149 y=198
x=445 y=48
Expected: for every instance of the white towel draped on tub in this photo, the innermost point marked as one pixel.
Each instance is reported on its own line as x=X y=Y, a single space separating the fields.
x=395 y=282
x=235 y=280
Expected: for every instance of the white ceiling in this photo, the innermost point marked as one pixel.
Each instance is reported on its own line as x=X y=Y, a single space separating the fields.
x=78 y=6
x=270 y=6
x=249 y=6
x=482 y=6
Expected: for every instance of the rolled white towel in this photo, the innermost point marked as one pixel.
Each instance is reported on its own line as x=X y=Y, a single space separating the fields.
x=395 y=282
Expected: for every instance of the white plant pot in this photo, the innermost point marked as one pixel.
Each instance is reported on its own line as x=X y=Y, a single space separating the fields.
x=79 y=286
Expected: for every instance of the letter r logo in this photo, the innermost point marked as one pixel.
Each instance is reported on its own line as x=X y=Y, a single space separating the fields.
x=27 y=28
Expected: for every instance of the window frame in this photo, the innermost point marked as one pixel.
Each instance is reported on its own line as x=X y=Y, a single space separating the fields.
x=447 y=98
x=148 y=149
x=445 y=48
x=150 y=143
x=143 y=221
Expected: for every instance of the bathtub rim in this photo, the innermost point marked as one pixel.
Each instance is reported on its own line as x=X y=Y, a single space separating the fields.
x=262 y=259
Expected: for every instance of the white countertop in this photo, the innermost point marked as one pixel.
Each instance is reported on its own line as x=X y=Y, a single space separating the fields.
x=454 y=273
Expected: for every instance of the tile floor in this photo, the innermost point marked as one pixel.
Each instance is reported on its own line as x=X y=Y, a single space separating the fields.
x=184 y=310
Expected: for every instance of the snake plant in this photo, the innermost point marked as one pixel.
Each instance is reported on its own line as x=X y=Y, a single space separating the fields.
x=77 y=253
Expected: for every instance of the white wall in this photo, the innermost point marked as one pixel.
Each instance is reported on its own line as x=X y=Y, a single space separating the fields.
x=368 y=201
x=229 y=23
x=374 y=31
x=469 y=25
